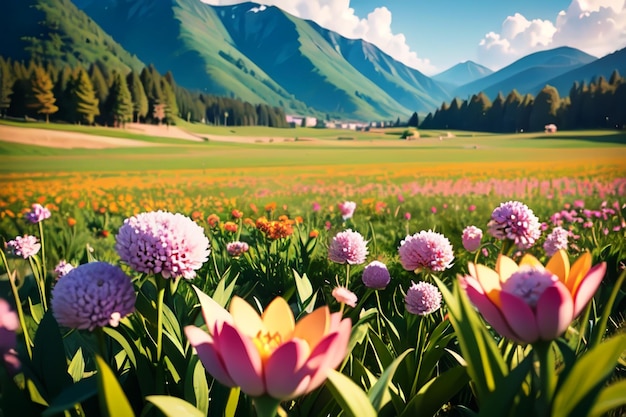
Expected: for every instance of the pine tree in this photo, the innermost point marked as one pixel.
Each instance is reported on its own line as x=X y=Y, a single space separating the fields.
x=84 y=96
x=40 y=98
x=169 y=99
x=138 y=95
x=119 y=104
x=414 y=120
x=545 y=108
x=6 y=86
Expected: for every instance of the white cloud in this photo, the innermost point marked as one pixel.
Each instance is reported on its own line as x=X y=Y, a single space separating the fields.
x=597 y=27
x=338 y=16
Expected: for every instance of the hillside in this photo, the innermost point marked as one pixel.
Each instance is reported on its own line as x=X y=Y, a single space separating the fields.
x=462 y=73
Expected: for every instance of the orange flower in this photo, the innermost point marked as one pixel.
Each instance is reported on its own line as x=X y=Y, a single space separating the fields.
x=230 y=227
x=314 y=233
x=213 y=220
x=270 y=206
x=236 y=214
x=71 y=222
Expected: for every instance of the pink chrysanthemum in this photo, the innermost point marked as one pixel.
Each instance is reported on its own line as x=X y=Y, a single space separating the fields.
x=38 y=213
x=345 y=296
x=62 y=268
x=348 y=247
x=556 y=240
x=9 y=324
x=376 y=275
x=235 y=249
x=422 y=298
x=163 y=243
x=347 y=209
x=471 y=238
x=24 y=246
x=426 y=250
x=514 y=221
x=93 y=295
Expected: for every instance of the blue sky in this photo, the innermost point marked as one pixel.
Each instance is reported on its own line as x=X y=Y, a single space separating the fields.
x=433 y=35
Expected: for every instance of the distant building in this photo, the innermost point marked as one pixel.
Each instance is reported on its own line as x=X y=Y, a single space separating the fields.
x=551 y=128
x=296 y=121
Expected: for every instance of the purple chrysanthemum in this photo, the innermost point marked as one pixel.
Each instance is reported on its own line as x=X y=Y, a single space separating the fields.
x=160 y=242
x=93 y=295
x=422 y=298
x=235 y=249
x=38 y=213
x=471 y=238
x=24 y=246
x=556 y=240
x=62 y=268
x=345 y=296
x=376 y=275
x=513 y=220
x=348 y=247
x=347 y=209
x=426 y=250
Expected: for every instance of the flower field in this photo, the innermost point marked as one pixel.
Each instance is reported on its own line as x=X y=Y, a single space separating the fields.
x=316 y=288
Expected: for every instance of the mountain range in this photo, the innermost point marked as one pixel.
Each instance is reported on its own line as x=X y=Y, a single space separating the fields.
x=262 y=54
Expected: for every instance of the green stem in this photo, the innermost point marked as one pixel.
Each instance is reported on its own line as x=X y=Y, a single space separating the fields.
x=102 y=347
x=547 y=377
x=266 y=406
x=35 y=267
x=347 y=274
x=43 y=247
x=18 y=305
x=601 y=326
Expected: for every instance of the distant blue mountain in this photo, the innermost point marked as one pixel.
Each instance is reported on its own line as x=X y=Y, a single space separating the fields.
x=462 y=73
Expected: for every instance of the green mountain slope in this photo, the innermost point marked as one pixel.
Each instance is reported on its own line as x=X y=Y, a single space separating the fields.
x=56 y=31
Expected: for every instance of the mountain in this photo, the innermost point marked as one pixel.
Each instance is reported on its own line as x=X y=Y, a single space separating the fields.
x=263 y=54
x=600 y=67
x=462 y=73
x=56 y=31
x=526 y=73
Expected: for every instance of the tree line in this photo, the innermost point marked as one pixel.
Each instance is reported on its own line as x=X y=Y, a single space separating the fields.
x=100 y=95
x=599 y=104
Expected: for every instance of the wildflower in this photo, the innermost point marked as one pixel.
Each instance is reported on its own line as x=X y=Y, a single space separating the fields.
x=529 y=302
x=407 y=216
x=230 y=227
x=376 y=275
x=316 y=207
x=236 y=214
x=471 y=208
x=347 y=209
x=71 y=222
x=400 y=198
x=314 y=233
x=235 y=249
x=422 y=298
x=348 y=247
x=38 y=213
x=213 y=220
x=269 y=355
x=163 y=243
x=556 y=240
x=9 y=324
x=471 y=238
x=345 y=296
x=514 y=221
x=426 y=250
x=24 y=246
x=63 y=268
x=93 y=295
x=433 y=210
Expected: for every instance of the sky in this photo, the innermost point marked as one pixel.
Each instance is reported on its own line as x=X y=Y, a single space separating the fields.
x=434 y=35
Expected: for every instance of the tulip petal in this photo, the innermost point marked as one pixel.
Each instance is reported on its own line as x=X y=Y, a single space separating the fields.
x=489 y=281
x=282 y=376
x=578 y=272
x=554 y=311
x=246 y=317
x=209 y=357
x=530 y=260
x=242 y=360
x=488 y=309
x=211 y=311
x=313 y=327
x=520 y=317
x=588 y=287
x=278 y=318
x=559 y=265
x=505 y=267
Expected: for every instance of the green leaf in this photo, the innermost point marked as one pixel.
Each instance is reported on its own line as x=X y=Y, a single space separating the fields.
x=609 y=398
x=305 y=291
x=352 y=399
x=119 y=338
x=36 y=311
x=77 y=366
x=498 y=403
x=113 y=401
x=174 y=406
x=384 y=356
x=72 y=395
x=49 y=360
x=590 y=370
x=379 y=394
x=437 y=392
x=223 y=292
x=197 y=387
x=233 y=400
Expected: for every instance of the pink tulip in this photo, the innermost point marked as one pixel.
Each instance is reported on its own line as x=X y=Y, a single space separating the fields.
x=529 y=302
x=271 y=354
